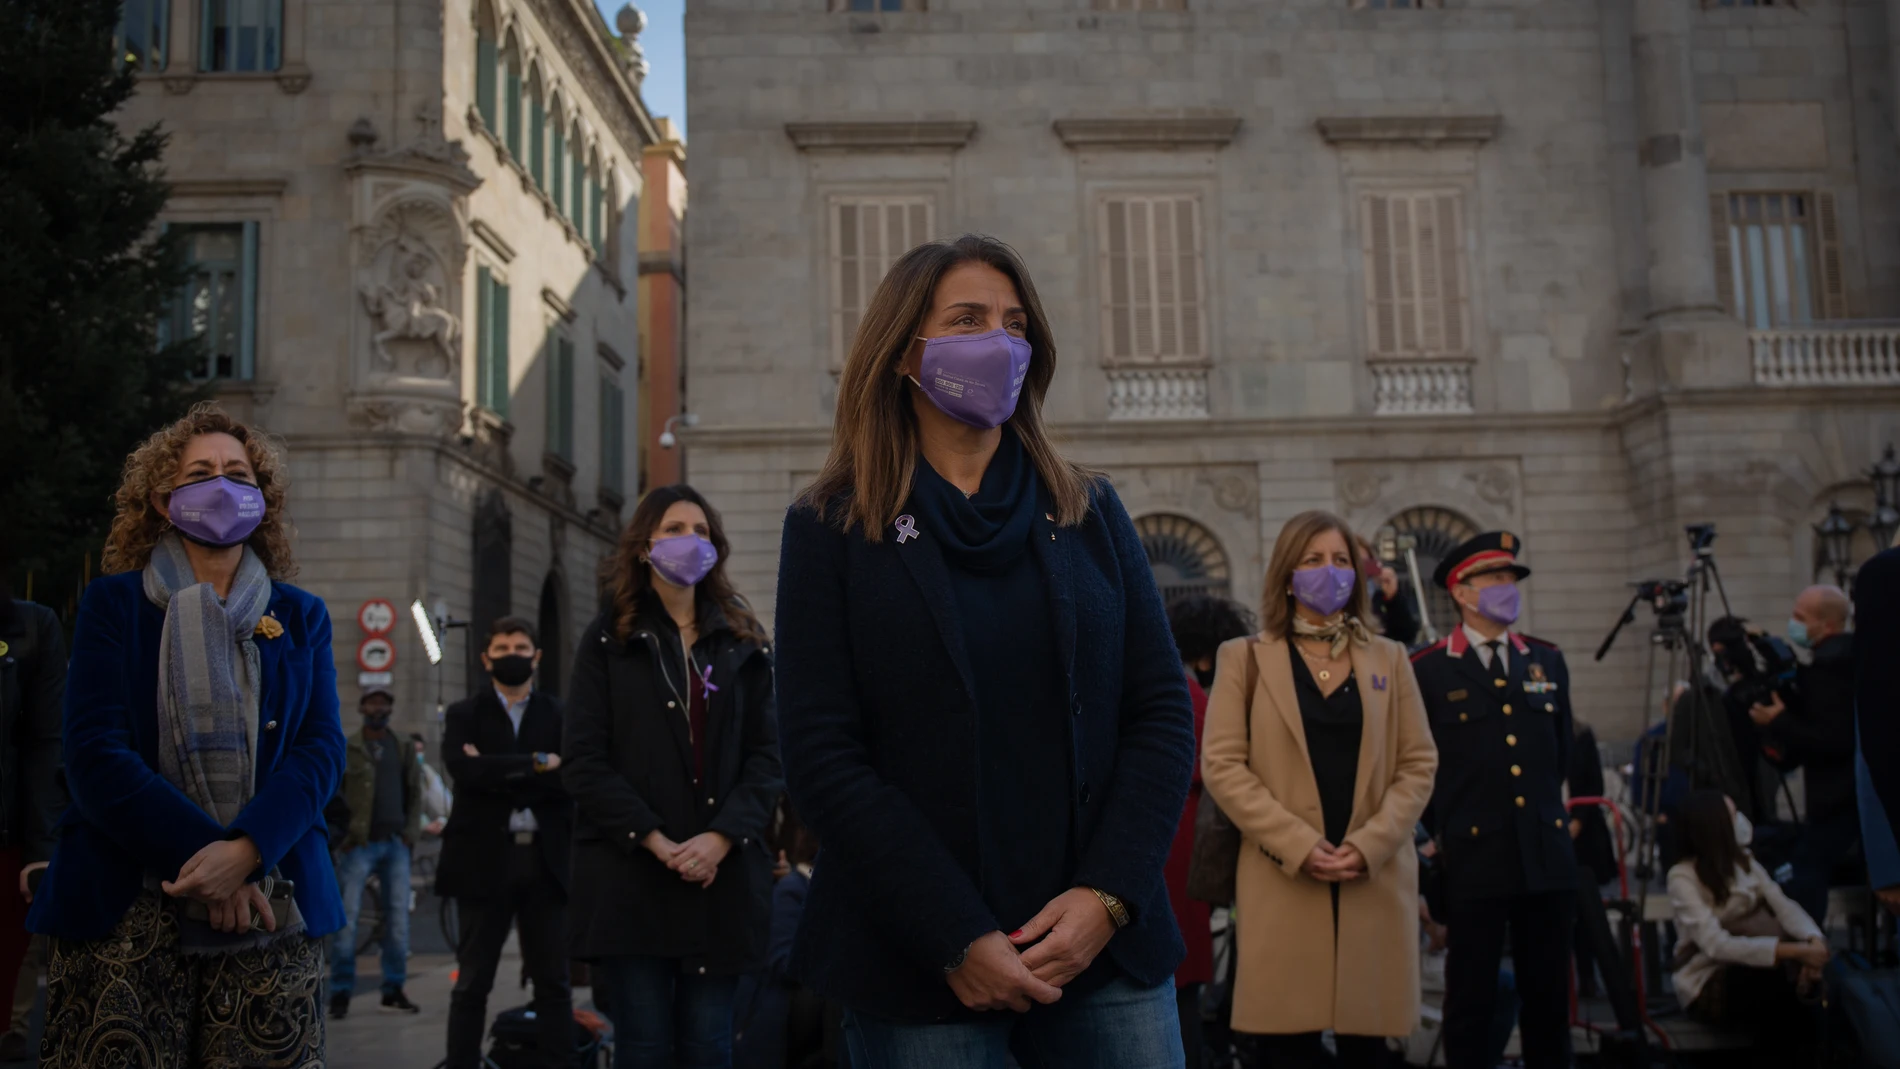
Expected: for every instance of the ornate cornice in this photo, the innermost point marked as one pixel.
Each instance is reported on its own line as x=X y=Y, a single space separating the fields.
x=879 y=136
x=1163 y=133
x=577 y=31
x=1424 y=131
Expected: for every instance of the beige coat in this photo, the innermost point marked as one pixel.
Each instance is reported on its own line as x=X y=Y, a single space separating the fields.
x=1294 y=974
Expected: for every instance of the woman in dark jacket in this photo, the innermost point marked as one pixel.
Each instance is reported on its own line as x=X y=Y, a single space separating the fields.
x=672 y=762
x=201 y=742
x=985 y=720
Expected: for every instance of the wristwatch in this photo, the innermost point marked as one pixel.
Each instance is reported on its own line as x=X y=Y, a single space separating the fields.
x=957 y=962
x=1117 y=912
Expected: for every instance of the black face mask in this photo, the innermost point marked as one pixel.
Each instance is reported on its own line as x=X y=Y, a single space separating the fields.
x=1205 y=677
x=376 y=723
x=512 y=670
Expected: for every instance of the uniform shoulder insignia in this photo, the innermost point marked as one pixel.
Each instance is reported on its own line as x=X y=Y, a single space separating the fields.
x=1544 y=642
x=1433 y=648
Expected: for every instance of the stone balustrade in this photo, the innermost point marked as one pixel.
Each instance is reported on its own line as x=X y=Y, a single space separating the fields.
x=1421 y=387
x=1157 y=393
x=1826 y=356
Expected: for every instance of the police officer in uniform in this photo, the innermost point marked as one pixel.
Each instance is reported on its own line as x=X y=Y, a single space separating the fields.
x=1499 y=704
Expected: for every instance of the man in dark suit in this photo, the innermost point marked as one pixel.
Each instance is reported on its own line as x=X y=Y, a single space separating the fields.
x=1499 y=704
x=505 y=850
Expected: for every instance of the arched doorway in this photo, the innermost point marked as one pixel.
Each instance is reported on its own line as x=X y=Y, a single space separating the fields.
x=1186 y=557
x=548 y=622
x=1432 y=532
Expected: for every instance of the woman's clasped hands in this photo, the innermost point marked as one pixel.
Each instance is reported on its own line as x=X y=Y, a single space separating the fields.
x=219 y=876
x=696 y=860
x=1334 y=864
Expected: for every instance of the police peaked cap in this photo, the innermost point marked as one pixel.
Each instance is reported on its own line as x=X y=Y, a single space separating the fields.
x=1492 y=551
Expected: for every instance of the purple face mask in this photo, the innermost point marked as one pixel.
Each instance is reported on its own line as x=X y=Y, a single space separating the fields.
x=216 y=512
x=683 y=560
x=975 y=378
x=1499 y=603
x=1325 y=589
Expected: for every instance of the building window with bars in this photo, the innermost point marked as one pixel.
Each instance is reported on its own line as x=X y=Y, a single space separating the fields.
x=1778 y=258
x=868 y=234
x=241 y=35
x=613 y=435
x=1416 y=291
x=218 y=304
x=491 y=342
x=560 y=357
x=141 y=39
x=1151 y=277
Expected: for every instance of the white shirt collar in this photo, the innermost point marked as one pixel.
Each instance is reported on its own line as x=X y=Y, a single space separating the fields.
x=1478 y=641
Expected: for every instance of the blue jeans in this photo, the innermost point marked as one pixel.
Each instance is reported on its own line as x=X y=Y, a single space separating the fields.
x=665 y=1015
x=1121 y=1026
x=389 y=860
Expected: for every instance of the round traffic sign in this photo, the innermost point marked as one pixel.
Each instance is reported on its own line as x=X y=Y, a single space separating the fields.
x=376 y=617
x=375 y=654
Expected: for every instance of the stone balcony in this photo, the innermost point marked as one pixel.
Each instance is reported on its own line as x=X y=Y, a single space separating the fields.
x=1834 y=355
x=1157 y=393
x=1421 y=387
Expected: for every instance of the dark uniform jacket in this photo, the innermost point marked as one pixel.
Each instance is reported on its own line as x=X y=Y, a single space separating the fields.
x=491 y=786
x=1504 y=742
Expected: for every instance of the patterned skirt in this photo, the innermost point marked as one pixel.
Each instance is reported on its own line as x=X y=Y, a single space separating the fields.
x=134 y=1000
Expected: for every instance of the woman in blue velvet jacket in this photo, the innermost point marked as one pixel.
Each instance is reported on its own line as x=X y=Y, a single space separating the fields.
x=982 y=712
x=191 y=883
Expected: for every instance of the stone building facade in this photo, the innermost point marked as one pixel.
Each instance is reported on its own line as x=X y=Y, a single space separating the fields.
x=1587 y=271
x=413 y=244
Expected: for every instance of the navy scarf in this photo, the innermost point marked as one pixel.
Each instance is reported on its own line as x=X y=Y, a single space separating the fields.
x=989 y=530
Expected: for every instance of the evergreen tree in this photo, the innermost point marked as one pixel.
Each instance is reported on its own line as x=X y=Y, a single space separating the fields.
x=85 y=274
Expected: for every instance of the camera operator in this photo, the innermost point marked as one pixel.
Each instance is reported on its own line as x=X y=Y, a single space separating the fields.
x=1815 y=727
x=1748 y=667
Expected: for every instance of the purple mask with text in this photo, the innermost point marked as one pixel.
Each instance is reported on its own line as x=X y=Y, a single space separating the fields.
x=1325 y=589
x=683 y=560
x=1499 y=603
x=216 y=512
x=975 y=378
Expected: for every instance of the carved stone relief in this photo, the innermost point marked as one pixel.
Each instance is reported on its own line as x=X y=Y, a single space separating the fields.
x=1483 y=488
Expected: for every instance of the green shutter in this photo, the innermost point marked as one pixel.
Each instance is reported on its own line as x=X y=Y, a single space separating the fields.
x=537 y=144
x=484 y=338
x=613 y=440
x=485 y=78
x=498 y=350
x=513 y=121
x=577 y=206
x=596 y=228
x=247 y=309
x=557 y=164
x=567 y=400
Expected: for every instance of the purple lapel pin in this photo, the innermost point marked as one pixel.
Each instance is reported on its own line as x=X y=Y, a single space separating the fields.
x=1378 y=682
x=906 y=529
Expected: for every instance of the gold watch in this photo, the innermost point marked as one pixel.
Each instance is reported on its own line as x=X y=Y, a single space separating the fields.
x=1116 y=911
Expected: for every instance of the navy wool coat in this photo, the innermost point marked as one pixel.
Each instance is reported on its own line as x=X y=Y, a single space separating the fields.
x=878 y=725
x=127 y=820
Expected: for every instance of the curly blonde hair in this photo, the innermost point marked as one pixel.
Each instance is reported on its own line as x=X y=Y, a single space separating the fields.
x=137 y=526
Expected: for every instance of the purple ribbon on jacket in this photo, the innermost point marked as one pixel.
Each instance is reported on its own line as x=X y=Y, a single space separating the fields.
x=705 y=681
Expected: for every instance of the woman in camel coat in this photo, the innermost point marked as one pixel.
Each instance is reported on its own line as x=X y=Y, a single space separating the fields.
x=1320 y=752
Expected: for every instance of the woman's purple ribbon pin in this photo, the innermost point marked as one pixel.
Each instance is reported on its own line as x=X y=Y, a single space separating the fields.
x=706 y=682
x=906 y=529
x=1378 y=682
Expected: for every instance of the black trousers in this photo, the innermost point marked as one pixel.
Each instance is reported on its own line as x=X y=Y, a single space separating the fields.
x=1539 y=926
x=527 y=898
x=1305 y=1050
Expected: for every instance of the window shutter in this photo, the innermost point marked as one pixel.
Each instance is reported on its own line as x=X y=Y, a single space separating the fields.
x=498 y=348
x=577 y=178
x=567 y=398
x=537 y=141
x=1416 y=287
x=868 y=234
x=485 y=78
x=557 y=166
x=512 y=121
x=1828 y=237
x=1151 y=286
x=247 y=314
x=1724 y=251
x=484 y=390
x=1381 y=313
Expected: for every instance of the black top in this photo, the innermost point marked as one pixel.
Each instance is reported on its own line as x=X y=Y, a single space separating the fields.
x=1022 y=730
x=390 y=811
x=1333 y=725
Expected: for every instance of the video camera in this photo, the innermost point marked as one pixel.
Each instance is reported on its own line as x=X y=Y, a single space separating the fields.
x=1760 y=665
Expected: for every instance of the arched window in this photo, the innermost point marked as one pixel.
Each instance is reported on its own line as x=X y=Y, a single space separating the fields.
x=548 y=622
x=511 y=97
x=557 y=158
x=486 y=59
x=537 y=132
x=1186 y=557
x=577 y=180
x=1431 y=532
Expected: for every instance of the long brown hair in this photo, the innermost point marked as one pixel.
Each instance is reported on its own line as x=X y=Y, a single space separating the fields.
x=629 y=577
x=1276 y=604
x=874 y=441
x=1706 y=836
x=150 y=470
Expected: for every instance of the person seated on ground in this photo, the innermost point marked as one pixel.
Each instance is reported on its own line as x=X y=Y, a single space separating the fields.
x=1747 y=955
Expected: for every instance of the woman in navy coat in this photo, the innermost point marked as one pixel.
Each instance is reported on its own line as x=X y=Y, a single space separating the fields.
x=983 y=716
x=201 y=742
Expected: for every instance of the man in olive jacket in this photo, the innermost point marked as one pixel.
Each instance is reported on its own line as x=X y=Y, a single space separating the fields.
x=382 y=789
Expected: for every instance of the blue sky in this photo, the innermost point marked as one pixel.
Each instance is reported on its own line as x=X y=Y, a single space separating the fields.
x=664 y=43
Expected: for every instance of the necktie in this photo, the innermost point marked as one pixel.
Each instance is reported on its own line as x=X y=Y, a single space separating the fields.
x=1496 y=646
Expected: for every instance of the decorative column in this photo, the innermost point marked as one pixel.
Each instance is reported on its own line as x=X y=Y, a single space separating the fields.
x=1688 y=342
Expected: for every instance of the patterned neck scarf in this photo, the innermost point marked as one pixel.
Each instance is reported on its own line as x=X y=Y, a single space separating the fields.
x=1338 y=629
